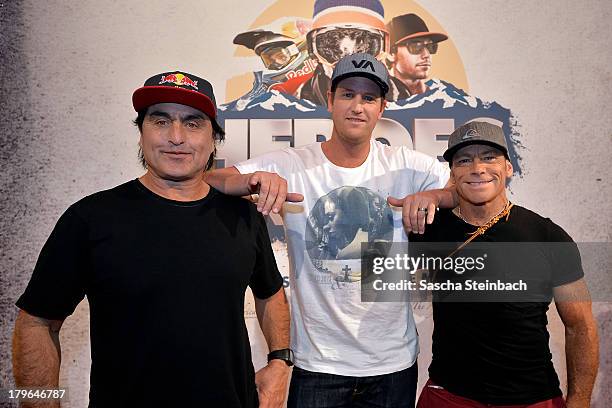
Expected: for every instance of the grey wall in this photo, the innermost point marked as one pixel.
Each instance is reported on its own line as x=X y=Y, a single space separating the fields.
x=16 y=243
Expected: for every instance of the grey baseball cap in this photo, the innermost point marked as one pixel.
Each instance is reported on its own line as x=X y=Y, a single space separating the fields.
x=361 y=64
x=476 y=133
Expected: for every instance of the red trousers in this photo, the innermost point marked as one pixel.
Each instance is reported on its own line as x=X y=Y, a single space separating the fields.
x=434 y=396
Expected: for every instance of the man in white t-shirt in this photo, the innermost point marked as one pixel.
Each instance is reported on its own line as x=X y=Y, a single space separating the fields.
x=347 y=352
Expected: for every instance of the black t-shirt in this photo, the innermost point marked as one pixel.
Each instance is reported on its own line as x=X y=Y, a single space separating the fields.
x=497 y=352
x=165 y=281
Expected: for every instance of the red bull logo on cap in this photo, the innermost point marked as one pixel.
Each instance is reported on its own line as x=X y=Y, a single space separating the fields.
x=178 y=79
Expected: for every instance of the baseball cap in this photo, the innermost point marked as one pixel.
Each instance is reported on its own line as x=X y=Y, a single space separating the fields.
x=176 y=87
x=476 y=133
x=361 y=64
x=408 y=26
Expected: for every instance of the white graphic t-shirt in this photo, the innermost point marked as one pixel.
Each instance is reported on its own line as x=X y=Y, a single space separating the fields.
x=332 y=330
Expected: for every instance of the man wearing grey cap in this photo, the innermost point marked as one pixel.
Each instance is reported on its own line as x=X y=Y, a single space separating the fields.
x=347 y=352
x=496 y=354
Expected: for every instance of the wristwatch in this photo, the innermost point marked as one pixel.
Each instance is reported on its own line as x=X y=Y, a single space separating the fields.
x=285 y=354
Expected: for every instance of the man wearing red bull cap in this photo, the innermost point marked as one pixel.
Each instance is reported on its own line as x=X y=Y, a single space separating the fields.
x=156 y=259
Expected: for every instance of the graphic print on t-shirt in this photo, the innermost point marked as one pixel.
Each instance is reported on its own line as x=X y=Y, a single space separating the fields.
x=337 y=225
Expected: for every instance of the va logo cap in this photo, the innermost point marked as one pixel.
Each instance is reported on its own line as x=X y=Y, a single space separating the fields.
x=363 y=64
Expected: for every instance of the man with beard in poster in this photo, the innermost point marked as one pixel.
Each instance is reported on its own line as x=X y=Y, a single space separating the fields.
x=412 y=47
x=347 y=352
x=496 y=353
x=156 y=258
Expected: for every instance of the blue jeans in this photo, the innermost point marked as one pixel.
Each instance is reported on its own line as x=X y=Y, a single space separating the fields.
x=319 y=390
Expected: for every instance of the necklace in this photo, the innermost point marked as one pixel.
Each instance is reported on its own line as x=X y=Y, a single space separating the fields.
x=505 y=212
x=493 y=220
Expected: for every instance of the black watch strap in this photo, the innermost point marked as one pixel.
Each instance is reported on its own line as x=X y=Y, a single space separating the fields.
x=285 y=354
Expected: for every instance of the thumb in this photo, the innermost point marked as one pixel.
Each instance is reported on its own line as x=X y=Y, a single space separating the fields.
x=396 y=202
x=253 y=180
x=294 y=197
x=253 y=184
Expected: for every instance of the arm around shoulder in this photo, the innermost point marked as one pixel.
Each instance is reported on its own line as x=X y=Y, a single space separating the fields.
x=419 y=209
x=271 y=187
x=227 y=180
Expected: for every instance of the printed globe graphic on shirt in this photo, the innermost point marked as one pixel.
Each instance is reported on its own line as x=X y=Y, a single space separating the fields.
x=338 y=224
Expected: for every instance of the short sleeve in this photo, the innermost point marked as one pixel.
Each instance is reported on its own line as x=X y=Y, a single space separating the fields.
x=266 y=279
x=57 y=284
x=564 y=256
x=428 y=172
x=278 y=162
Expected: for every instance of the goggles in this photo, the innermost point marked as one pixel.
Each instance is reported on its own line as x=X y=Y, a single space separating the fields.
x=415 y=47
x=330 y=44
x=276 y=58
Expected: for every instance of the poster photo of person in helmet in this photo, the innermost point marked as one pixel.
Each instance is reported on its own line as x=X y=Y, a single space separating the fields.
x=428 y=90
x=284 y=55
x=299 y=61
x=342 y=28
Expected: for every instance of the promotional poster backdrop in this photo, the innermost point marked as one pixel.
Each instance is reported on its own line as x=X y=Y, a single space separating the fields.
x=540 y=70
